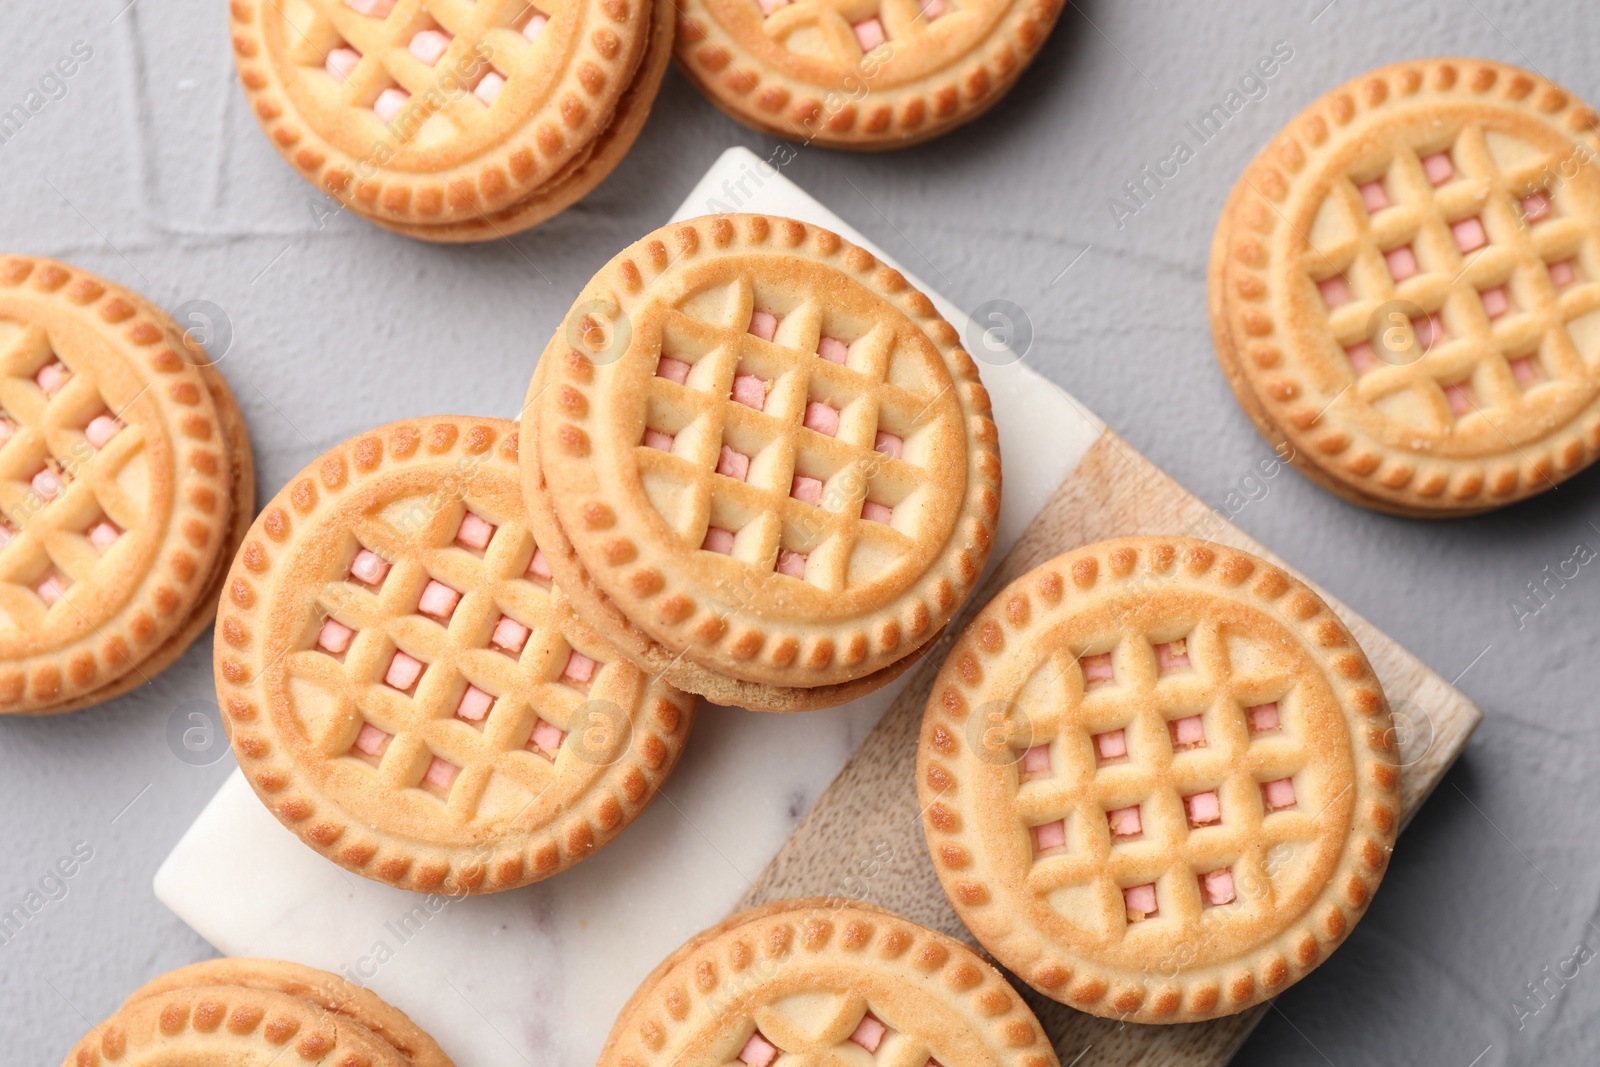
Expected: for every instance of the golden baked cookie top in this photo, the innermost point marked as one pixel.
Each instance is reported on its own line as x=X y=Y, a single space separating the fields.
x=864 y=75
x=115 y=491
x=768 y=450
x=1159 y=779
x=402 y=685
x=1405 y=284
x=825 y=981
x=438 y=112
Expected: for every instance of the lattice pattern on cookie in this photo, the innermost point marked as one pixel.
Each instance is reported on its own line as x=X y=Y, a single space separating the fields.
x=788 y=443
x=1471 y=233
x=1165 y=775
x=842 y=34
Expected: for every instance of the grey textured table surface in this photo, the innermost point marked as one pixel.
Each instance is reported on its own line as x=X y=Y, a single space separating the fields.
x=148 y=169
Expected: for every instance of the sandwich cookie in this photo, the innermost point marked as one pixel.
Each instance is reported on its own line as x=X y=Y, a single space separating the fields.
x=764 y=466
x=403 y=685
x=1159 y=779
x=1405 y=288
x=126 y=482
x=816 y=981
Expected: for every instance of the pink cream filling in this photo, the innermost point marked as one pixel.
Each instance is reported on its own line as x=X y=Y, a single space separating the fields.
x=1203 y=809
x=1140 y=901
x=429 y=45
x=1278 y=794
x=1374 y=196
x=822 y=417
x=1495 y=301
x=1263 y=717
x=441 y=774
x=1535 y=208
x=1036 y=760
x=672 y=369
x=101 y=429
x=1402 y=262
x=791 y=563
x=579 y=668
x=489 y=86
x=932 y=9
x=733 y=463
x=8 y=429
x=375 y=8
x=390 y=103
x=769 y=6
x=718 y=540
x=657 y=439
x=1217 y=887
x=538 y=566
x=806 y=490
x=47 y=483
x=764 y=324
x=369 y=567
x=1097 y=669
x=1124 y=822
x=1050 y=835
x=833 y=350
x=6 y=534
x=51 y=377
x=103 y=534
x=1562 y=274
x=510 y=635
x=547 y=738
x=334 y=636
x=1187 y=732
x=1438 y=168
x=371 y=740
x=1113 y=744
x=438 y=600
x=1460 y=397
x=342 y=63
x=1335 y=291
x=869 y=33
x=1172 y=655
x=875 y=512
x=750 y=390
x=403 y=671
x=889 y=444
x=1429 y=331
x=1525 y=370
x=1362 y=358
x=51 y=589
x=474 y=705
x=869 y=1033
x=535 y=25
x=1469 y=234
x=758 y=1051
x=474 y=531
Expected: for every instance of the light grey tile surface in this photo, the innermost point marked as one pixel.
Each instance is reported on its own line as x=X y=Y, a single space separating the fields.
x=150 y=170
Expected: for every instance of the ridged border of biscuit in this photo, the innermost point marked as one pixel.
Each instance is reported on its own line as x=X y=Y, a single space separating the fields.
x=780 y=104
x=201 y=504
x=714 y=969
x=770 y=651
x=495 y=179
x=1274 y=388
x=1219 y=989
x=617 y=797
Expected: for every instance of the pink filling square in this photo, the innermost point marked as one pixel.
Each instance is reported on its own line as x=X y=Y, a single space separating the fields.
x=869 y=1033
x=390 y=103
x=1374 y=196
x=1113 y=744
x=579 y=668
x=334 y=636
x=1263 y=717
x=889 y=444
x=1469 y=234
x=103 y=534
x=833 y=350
x=718 y=540
x=1495 y=301
x=441 y=775
x=342 y=63
x=474 y=531
x=1438 y=168
x=764 y=324
x=758 y=1051
x=1140 y=901
x=51 y=589
x=1429 y=331
x=1278 y=794
x=657 y=439
x=1335 y=291
x=547 y=738
x=673 y=369
x=9 y=428
x=750 y=390
x=369 y=567
x=47 y=484
x=932 y=9
x=1362 y=358
x=438 y=600
x=791 y=563
x=1460 y=397
x=1562 y=274
x=806 y=490
x=1124 y=822
x=869 y=34
x=1525 y=370
x=429 y=45
x=1172 y=655
x=538 y=566
x=1402 y=262
x=403 y=672
x=875 y=512
x=822 y=417
x=769 y=6
x=51 y=377
x=1050 y=835
x=1187 y=732
x=733 y=463
x=371 y=740
x=474 y=705
x=101 y=429
x=1036 y=760
x=510 y=635
x=1217 y=887
x=6 y=534
x=489 y=86
x=376 y=8
x=1097 y=669
x=535 y=25
x=1203 y=809
x=1535 y=208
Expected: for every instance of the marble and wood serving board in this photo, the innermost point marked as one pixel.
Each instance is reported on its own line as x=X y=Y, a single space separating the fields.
x=761 y=806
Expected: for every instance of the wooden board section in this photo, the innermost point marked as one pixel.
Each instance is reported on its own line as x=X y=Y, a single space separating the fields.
x=864 y=839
